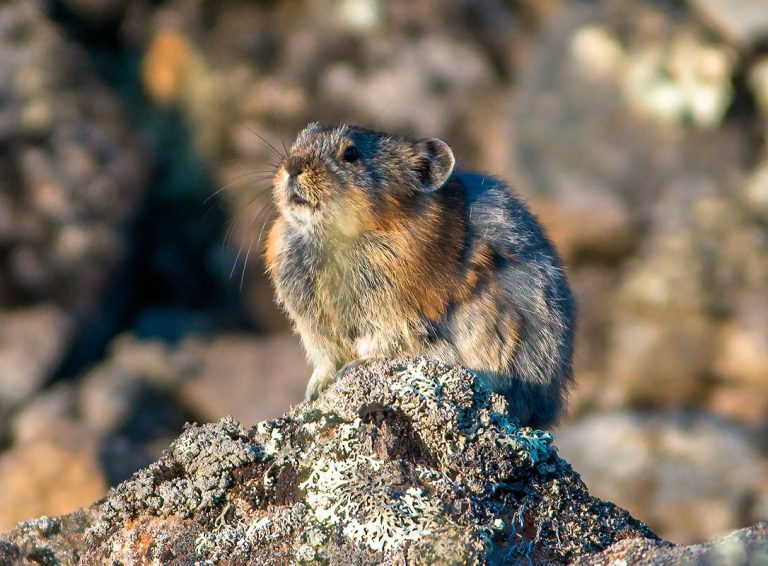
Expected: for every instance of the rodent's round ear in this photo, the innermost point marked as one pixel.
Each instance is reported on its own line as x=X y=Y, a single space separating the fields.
x=434 y=163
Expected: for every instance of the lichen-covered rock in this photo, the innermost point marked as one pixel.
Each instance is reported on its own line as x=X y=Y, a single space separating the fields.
x=46 y=540
x=404 y=461
x=71 y=441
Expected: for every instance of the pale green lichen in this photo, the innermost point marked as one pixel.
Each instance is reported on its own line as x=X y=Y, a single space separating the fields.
x=274 y=435
x=242 y=538
x=535 y=443
x=396 y=520
x=417 y=380
x=306 y=553
x=346 y=490
x=350 y=491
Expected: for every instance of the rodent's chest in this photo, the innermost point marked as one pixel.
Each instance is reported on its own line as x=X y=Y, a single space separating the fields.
x=326 y=281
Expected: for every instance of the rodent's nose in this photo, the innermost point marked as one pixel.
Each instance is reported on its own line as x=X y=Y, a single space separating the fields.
x=294 y=168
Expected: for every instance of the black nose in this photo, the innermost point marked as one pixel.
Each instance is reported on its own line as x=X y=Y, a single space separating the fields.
x=294 y=167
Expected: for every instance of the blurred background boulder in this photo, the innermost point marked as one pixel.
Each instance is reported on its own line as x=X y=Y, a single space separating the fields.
x=72 y=174
x=138 y=139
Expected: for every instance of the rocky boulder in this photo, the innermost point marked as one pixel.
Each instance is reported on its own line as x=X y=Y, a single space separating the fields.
x=406 y=461
x=72 y=174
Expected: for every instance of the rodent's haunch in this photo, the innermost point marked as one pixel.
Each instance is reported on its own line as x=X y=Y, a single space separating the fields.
x=380 y=249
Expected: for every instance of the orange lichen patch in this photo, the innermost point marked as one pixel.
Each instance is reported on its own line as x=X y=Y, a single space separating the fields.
x=166 y=65
x=143 y=544
x=144 y=540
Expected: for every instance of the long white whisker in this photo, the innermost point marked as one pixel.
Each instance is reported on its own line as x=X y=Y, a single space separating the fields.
x=245 y=264
x=266 y=141
x=240 y=251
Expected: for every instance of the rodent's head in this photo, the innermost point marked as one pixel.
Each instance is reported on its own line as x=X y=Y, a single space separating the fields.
x=346 y=176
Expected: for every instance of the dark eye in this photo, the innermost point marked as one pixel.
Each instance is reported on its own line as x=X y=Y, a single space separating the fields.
x=351 y=154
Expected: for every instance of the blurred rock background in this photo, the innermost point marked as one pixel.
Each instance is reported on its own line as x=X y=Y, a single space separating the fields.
x=134 y=185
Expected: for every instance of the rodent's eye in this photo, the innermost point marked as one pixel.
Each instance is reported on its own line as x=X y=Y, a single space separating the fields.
x=351 y=154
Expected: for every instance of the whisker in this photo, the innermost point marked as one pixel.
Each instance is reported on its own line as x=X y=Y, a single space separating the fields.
x=266 y=141
x=208 y=210
x=262 y=210
x=236 y=183
x=265 y=209
x=265 y=205
x=259 y=192
x=264 y=175
x=236 y=220
x=238 y=214
x=263 y=170
x=229 y=231
x=240 y=251
x=236 y=160
x=245 y=263
x=258 y=195
x=261 y=232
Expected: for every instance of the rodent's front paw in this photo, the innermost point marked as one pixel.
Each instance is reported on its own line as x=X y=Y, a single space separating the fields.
x=317 y=383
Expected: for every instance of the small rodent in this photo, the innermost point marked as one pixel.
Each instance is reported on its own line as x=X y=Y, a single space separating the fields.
x=381 y=248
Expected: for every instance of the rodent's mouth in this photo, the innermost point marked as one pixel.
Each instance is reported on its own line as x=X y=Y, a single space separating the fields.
x=295 y=199
x=294 y=194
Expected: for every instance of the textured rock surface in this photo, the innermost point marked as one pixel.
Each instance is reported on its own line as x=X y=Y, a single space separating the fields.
x=98 y=430
x=399 y=461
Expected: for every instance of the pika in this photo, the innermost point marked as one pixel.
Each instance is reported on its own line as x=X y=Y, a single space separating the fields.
x=381 y=248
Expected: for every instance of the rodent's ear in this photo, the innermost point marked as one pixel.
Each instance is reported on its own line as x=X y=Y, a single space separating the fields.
x=434 y=163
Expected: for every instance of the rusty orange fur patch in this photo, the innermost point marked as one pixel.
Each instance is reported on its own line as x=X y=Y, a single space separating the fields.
x=425 y=234
x=273 y=241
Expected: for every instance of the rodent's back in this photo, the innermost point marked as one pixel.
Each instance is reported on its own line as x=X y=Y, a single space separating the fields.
x=529 y=280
